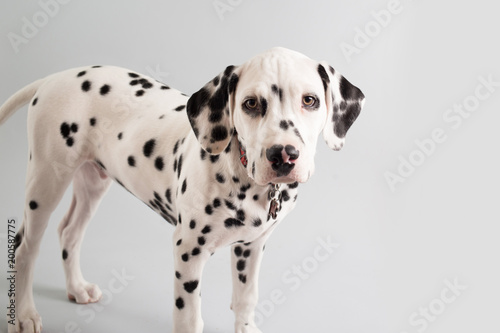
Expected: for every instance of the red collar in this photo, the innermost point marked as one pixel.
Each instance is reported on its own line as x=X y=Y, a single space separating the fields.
x=243 y=155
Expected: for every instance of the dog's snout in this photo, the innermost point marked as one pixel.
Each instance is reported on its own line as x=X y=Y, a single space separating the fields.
x=282 y=158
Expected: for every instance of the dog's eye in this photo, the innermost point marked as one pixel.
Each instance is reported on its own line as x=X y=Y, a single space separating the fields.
x=309 y=101
x=251 y=104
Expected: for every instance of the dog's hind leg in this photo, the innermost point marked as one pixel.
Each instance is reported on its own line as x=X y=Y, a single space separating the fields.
x=44 y=188
x=89 y=186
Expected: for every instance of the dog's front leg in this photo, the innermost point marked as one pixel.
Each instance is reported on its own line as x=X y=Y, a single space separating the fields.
x=189 y=260
x=245 y=266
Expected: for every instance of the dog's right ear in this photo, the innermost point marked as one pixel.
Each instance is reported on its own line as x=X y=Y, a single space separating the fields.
x=209 y=111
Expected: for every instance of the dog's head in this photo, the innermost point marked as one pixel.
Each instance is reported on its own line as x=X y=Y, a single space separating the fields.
x=276 y=104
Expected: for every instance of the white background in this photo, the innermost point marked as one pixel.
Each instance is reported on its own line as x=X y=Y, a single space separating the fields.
x=397 y=246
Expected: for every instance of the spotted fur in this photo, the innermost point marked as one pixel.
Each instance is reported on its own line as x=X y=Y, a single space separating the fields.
x=181 y=156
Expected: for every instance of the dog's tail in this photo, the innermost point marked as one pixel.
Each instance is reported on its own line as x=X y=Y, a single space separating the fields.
x=19 y=99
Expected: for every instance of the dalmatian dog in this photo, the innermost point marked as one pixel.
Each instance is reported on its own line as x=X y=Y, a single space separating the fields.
x=222 y=166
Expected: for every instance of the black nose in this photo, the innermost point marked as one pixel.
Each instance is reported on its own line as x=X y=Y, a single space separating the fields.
x=282 y=163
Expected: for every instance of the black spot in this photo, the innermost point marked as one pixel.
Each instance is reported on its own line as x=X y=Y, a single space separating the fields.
x=86 y=85
x=34 y=102
x=92 y=121
x=133 y=75
x=120 y=135
x=104 y=89
x=231 y=222
x=256 y=197
x=263 y=106
x=176 y=146
x=203 y=154
x=242 y=278
x=220 y=178
x=179 y=242
x=214 y=158
x=19 y=238
x=184 y=186
x=230 y=205
x=131 y=161
x=216 y=81
x=180 y=108
x=206 y=229
x=180 y=219
x=190 y=286
x=253 y=169
x=134 y=82
x=97 y=66
x=240 y=215
x=179 y=166
x=246 y=254
x=69 y=142
x=164 y=87
x=74 y=127
x=65 y=130
x=139 y=93
x=233 y=82
x=100 y=164
x=195 y=251
x=240 y=265
x=149 y=147
x=257 y=222
x=242 y=196
x=33 y=205
x=216 y=203
x=168 y=195
x=219 y=133
x=348 y=91
x=238 y=251
x=277 y=91
x=82 y=73
x=236 y=179
x=64 y=254
x=145 y=84
x=209 y=210
x=245 y=188
x=293 y=185
x=201 y=240
x=324 y=76
x=178 y=275
x=297 y=133
x=228 y=148
x=185 y=257
x=285 y=195
x=284 y=125
x=179 y=303
x=159 y=163
x=192 y=224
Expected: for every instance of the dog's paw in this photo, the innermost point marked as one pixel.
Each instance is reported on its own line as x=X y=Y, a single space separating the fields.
x=247 y=328
x=26 y=322
x=84 y=293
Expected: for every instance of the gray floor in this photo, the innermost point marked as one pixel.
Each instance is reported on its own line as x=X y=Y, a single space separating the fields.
x=416 y=256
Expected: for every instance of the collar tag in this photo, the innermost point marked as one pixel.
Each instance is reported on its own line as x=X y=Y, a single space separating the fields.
x=276 y=200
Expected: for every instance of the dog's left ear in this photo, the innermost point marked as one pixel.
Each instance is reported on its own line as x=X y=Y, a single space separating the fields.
x=210 y=111
x=343 y=101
